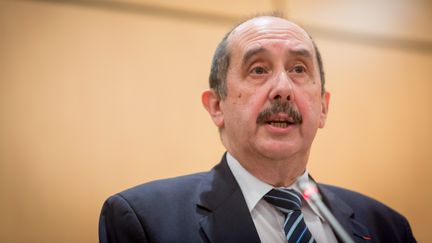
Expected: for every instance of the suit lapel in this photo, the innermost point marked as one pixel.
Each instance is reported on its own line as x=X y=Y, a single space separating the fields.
x=345 y=215
x=225 y=215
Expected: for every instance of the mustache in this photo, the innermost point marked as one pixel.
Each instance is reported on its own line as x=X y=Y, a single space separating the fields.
x=279 y=107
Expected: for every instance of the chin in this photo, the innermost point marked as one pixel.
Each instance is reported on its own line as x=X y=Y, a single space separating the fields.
x=279 y=151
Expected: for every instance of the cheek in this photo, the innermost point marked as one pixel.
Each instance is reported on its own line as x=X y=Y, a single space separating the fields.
x=247 y=101
x=309 y=106
x=256 y=102
x=245 y=109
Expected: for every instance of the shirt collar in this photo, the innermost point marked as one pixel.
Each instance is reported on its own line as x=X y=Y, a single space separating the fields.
x=254 y=189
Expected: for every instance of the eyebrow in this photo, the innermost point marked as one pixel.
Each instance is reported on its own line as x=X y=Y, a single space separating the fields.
x=296 y=52
x=252 y=52
x=300 y=52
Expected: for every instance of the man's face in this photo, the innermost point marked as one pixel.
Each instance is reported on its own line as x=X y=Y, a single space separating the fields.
x=273 y=64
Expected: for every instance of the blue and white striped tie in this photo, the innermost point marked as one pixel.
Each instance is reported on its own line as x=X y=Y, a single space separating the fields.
x=288 y=202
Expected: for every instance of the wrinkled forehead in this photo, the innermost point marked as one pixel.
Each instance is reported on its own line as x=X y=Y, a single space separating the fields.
x=254 y=31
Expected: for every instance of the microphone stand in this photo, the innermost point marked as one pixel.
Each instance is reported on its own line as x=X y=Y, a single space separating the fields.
x=310 y=193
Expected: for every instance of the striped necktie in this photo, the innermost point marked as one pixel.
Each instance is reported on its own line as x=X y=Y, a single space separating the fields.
x=288 y=202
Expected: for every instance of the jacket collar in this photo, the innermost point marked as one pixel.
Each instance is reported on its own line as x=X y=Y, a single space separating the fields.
x=225 y=216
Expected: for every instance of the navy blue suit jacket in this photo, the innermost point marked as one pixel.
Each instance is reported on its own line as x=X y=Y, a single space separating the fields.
x=210 y=207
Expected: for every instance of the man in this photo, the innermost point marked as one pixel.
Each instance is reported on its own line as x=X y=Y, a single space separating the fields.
x=267 y=98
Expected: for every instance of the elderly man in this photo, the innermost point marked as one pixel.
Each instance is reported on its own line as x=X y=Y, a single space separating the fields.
x=267 y=98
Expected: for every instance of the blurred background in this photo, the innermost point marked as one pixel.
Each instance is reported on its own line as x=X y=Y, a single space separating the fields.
x=99 y=96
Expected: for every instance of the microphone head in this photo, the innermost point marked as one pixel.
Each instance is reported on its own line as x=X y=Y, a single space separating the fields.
x=309 y=189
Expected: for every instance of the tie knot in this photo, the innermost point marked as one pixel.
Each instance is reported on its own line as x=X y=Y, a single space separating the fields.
x=286 y=200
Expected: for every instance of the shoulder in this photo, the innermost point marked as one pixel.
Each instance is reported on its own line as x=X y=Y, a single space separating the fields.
x=162 y=190
x=383 y=223
x=141 y=213
x=359 y=202
x=154 y=201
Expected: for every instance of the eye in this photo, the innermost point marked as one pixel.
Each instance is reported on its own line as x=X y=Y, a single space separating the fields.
x=299 y=69
x=258 y=70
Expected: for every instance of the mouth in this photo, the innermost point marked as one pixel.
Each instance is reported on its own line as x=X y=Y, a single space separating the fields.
x=279 y=115
x=280 y=122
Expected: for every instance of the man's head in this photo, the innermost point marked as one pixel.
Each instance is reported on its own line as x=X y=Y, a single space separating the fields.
x=267 y=92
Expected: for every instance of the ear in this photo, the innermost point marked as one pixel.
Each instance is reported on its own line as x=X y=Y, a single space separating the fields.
x=325 y=99
x=211 y=103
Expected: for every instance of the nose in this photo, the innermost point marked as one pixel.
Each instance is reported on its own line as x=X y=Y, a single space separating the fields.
x=282 y=89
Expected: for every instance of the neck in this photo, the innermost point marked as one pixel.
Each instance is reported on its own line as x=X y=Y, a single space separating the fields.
x=279 y=173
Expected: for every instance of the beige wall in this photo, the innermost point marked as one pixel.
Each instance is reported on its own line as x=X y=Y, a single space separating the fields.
x=96 y=98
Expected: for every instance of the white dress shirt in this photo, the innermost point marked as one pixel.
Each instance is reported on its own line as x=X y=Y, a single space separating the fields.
x=267 y=219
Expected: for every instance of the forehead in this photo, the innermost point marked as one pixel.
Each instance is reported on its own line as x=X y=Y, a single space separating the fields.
x=262 y=31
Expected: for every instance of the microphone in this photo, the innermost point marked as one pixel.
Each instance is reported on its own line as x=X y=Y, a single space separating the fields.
x=311 y=194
